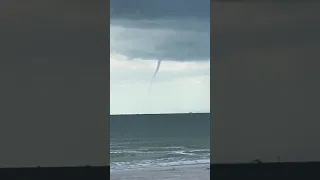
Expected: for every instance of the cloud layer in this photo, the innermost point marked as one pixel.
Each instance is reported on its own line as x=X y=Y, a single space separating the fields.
x=145 y=9
x=164 y=29
x=161 y=39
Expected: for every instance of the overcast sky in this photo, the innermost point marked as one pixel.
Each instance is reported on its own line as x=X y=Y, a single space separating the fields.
x=143 y=32
x=265 y=100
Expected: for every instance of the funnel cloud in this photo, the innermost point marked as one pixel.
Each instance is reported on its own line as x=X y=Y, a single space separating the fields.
x=155 y=73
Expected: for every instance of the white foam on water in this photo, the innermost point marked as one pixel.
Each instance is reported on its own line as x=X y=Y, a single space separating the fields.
x=182 y=152
x=149 y=164
x=158 y=155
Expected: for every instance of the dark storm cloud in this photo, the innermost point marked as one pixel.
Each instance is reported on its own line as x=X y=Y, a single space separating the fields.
x=55 y=31
x=169 y=30
x=152 y=9
x=266 y=81
x=166 y=40
x=54 y=75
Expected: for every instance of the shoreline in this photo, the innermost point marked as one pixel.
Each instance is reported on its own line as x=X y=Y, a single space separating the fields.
x=162 y=167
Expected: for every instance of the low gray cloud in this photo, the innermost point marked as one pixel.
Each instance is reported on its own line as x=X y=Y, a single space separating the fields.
x=161 y=30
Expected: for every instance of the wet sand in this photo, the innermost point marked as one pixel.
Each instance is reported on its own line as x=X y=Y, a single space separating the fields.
x=187 y=172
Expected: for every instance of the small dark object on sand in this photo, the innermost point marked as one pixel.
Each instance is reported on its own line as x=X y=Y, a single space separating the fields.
x=172 y=169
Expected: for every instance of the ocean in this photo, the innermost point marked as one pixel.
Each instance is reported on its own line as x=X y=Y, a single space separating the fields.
x=163 y=146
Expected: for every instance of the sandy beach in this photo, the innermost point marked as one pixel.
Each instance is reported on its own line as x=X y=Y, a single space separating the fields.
x=187 y=172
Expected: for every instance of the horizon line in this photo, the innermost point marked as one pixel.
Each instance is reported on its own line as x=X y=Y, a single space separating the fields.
x=160 y=113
